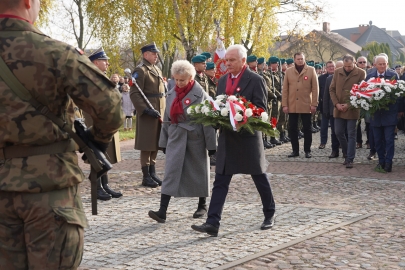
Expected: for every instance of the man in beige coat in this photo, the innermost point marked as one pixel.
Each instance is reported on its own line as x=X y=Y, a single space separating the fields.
x=149 y=110
x=345 y=119
x=300 y=99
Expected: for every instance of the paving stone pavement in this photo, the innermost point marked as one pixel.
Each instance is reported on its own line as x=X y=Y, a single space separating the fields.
x=311 y=195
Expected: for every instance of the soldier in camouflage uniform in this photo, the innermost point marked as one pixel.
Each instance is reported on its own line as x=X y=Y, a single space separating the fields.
x=270 y=95
x=200 y=65
x=42 y=216
x=283 y=117
x=251 y=61
x=276 y=80
x=212 y=80
x=149 y=110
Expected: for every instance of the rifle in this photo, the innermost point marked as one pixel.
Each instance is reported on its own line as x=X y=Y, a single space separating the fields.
x=93 y=155
x=144 y=97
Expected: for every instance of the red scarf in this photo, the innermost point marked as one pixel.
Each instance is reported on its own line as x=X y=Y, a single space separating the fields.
x=176 y=111
x=230 y=88
x=13 y=17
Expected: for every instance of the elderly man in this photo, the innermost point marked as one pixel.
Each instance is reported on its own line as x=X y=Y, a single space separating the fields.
x=330 y=69
x=300 y=99
x=345 y=119
x=328 y=113
x=384 y=122
x=237 y=152
x=362 y=63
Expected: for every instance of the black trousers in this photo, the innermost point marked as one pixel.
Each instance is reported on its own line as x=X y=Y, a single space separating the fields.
x=306 y=128
x=220 y=191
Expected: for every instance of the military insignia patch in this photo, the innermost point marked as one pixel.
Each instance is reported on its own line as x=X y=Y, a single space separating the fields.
x=305 y=78
x=187 y=101
x=80 y=51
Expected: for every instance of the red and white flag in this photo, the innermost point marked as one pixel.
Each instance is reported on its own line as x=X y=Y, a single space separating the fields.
x=219 y=58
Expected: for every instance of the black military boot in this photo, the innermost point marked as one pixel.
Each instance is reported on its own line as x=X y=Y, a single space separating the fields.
x=201 y=209
x=275 y=141
x=266 y=143
x=147 y=181
x=101 y=194
x=104 y=182
x=160 y=216
x=283 y=138
x=152 y=173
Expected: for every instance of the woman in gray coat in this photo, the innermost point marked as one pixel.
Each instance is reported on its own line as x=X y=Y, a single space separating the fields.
x=187 y=171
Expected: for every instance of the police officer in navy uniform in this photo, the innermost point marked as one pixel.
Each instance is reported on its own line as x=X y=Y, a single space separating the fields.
x=148 y=96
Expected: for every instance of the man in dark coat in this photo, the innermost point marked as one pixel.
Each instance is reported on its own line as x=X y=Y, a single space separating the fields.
x=239 y=152
x=384 y=122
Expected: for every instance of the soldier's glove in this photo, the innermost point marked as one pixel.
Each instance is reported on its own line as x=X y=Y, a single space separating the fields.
x=152 y=112
x=211 y=152
x=100 y=145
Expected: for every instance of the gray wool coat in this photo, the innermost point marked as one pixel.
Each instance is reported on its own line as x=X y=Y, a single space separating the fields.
x=243 y=152
x=187 y=171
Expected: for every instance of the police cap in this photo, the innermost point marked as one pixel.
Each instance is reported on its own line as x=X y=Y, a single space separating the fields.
x=98 y=54
x=149 y=48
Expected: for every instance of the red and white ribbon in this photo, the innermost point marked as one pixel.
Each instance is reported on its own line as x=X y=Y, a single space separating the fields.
x=233 y=107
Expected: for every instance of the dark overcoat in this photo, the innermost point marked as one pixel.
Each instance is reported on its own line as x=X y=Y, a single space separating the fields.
x=382 y=118
x=242 y=152
x=328 y=107
x=187 y=170
x=321 y=83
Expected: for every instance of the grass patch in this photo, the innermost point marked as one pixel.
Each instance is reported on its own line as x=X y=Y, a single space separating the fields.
x=127 y=135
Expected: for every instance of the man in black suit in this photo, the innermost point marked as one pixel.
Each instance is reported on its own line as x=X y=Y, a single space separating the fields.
x=330 y=69
x=239 y=152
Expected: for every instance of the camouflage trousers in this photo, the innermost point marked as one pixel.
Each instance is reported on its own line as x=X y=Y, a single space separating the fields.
x=282 y=124
x=275 y=110
x=41 y=230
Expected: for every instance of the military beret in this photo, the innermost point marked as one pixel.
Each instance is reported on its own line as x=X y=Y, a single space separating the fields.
x=207 y=55
x=199 y=59
x=251 y=58
x=282 y=60
x=210 y=65
x=99 y=54
x=318 y=66
x=150 y=48
x=310 y=63
x=289 y=61
x=273 y=59
x=260 y=60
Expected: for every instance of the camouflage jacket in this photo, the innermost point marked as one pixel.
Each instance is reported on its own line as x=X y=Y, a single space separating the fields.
x=202 y=79
x=58 y=76
x=269 y=87
x=275 y=83
x=212 y=86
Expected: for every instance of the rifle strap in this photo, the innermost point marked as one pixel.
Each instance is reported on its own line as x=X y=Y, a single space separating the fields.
x=16 y=86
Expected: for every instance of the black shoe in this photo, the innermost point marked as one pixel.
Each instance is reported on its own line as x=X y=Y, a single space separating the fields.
x=345 y=162
x=159 y=217
x=283 y=138
x=322 y=146
x=266 y=144
x=268 y=223
x=349 y=165
x=371 y=156
x=288 y=138
x=206 y=228
x=334 y=154
x=152 y=173
x=147 y=181
x=201 y=211
x=275 y=141
x=300 y=133
x=388 y=167
x=106 y=187
x=314 y=130
x=308 y=154
x=294 y=154
x=101 y=194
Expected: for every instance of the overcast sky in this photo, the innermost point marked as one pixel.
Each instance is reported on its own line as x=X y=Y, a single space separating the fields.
x=351 y=13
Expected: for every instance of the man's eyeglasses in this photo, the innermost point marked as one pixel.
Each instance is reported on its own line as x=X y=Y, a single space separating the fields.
x=362 y=62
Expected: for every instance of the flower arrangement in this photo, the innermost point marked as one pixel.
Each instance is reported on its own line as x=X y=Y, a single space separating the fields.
x=376 y=94
x=233 y=113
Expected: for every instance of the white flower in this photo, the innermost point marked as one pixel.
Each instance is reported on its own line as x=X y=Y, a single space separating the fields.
x=207 y=112
x=232 y=98
x=354 y=103
x=387 y=88
x=224 y=112
x=220 y=97
x=248 y=112
x=198 y=108
x=398 y=94
x=264 y=116
x=218 y=102
x=238 y=117
x=358 y=101
x=189 y=110
x=205 y=109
